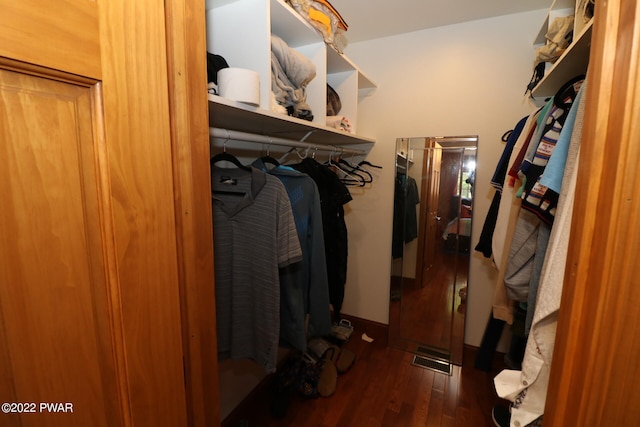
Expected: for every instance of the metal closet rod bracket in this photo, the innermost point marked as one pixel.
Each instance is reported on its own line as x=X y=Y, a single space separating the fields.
x=227 y=134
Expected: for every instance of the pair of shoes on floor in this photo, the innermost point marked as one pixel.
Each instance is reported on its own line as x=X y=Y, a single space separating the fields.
x=319 y=348
x=501 y=416
x=332 y=360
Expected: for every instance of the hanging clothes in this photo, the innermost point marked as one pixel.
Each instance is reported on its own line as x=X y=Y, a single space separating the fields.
x=255 y=236
x=304 y=286
x=536 y=198
x=508 y=212
x=527 y=389
x=497 y=181
x=538 y=204
x=509 y=187
x=535 y=134
x=333 y=196
x=405 y=217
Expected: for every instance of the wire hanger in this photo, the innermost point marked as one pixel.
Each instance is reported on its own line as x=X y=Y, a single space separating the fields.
x=293 y=150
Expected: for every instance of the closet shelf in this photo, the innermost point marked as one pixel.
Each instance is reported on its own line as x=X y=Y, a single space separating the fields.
x=241 y=31
x=573 y=62
x=228 y=114
x=557 y=8
x=339 y=63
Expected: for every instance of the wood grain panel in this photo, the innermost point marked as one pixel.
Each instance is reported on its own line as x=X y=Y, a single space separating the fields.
x=61 y=35
x=190 y=143
x=54 y=331
x=138 y=134
x=595 y=372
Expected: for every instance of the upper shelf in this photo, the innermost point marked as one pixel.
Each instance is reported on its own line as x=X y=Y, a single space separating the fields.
x=557 y=8
x=227 y=114
x=338 y=63
x=572 y=63
x=241 y=30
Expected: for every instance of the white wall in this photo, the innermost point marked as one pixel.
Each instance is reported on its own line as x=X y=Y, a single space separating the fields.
x=465 y=79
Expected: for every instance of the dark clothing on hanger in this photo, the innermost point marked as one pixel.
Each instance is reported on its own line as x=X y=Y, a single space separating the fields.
x=499 y=175
x=405 y=218
x=333 y=196
x=485 y=242
x=304 y=288
x=497 y=181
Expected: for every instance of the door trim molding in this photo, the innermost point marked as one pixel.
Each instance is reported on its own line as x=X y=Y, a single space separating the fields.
x=189 y=124
x=594 y=371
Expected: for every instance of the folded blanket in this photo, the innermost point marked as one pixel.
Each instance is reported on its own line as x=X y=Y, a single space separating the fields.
x=298 y=68
x=291 y=72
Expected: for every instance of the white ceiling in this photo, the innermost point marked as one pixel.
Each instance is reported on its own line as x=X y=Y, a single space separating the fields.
x=371 y=19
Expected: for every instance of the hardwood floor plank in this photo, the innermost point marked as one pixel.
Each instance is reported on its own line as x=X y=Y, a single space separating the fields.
x=406 y=414
x=373 y=387
x=412 y=391
x=434 y=414
x=447 y=421
x=384 y=389
x=452 y=388
x=439 y=382
x=423 y=398
x=399 y=385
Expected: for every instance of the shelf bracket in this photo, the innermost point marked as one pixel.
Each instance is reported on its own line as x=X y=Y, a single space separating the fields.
x=307 y=135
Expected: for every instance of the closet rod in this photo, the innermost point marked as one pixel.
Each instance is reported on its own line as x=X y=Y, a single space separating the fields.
x=226 y=134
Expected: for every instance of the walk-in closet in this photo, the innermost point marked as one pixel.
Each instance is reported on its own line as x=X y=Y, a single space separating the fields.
x=243 y=213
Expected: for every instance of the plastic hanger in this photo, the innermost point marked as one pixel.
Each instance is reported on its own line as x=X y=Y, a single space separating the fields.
x=268 y=159
x=356 y=169
x=227 y=157
x=350 y=177
x=366 y=163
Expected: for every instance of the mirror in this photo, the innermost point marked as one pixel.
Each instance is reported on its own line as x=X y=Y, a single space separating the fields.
x=433 y=213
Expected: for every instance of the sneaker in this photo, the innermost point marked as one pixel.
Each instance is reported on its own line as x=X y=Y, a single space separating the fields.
x=501 y=416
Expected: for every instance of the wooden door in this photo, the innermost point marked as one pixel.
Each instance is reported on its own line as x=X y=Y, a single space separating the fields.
x=90 y=299
x=430 y=194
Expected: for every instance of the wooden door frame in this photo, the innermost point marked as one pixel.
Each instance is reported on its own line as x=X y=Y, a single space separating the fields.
x=186 y=59
x=425 y=196
x=596 y=282
x=594 y=372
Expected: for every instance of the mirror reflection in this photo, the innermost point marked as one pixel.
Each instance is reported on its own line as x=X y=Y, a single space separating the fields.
x=433 y=213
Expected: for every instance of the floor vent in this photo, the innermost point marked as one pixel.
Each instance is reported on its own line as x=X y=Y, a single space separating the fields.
x=425 y=351
x=433 y=364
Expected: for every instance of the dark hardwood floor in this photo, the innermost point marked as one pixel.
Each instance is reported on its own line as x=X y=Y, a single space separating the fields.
x=383 y=388
x=432 y=313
